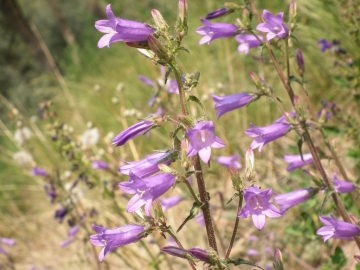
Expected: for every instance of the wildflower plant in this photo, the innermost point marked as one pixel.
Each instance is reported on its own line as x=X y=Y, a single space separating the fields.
x=144 y=189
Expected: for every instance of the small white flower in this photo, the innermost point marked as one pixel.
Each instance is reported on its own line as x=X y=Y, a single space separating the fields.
x=22 y=135
x=90 y=137
x=22 y=158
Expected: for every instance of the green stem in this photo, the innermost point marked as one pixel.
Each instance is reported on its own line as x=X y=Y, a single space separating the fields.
x=228 y=251
x=192 y=192
x=183 y=102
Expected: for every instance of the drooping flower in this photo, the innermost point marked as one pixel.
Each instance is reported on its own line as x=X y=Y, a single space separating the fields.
x=218 y=13
x=202 y=138
x=232 y=102
x=71 y=234
x=288 y=200
x=342 y=186
x=200 y=254
x=337 y=229
x=273 y=26
x=258 y=206
x=38 y=172
x=231 y=161
x=132 y=132
x=117 y=30
x=60 y=214
x=300 y=61
x=324 y=45
x=99 y=165
x=147 y=166
x=295 y=161
x=264 y=135
x=22 y=135
x=111 y=239
x=247 y=42
x=212 y=31
x=146 y=190
x=169 y=202
x=90 y=137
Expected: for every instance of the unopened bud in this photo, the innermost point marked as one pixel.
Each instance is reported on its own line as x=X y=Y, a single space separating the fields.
x=188 y=121
x=158 y=211
x=235 y=178
x=156 y=46
x=240 y=24
x=181 y=26
x=256 y=80
x=354 y=219
x=292 y=12
x=300 y=62
x=357 y=258
x=174 y=251
x=200 y=254
x=159 y=20
x=166 y=169
x=278 y=261
x=249 y=165
x=246 y=18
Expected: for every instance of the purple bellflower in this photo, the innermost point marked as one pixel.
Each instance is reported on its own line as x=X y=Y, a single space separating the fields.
x=264 y=135
x=200 y=254
x=337 y=229
x=116 y=30
x=231 y=161
x=324 y=45
x=111 y=239
x=258 y=206
x=231 y=102
x=132 y=132
x=8 y=241
x=167 y=203
x=99 y=165
x=247 y=42
x=146 y=190
x=175 y=251
x=71 y=235
x=147 y=166
x=38 y=172
x=342 y=186
x=60 y=214
x=218 y=13
x=296 y=162
x=288 y=200
x=273 y=26
x=212 y=31
x=202 y=138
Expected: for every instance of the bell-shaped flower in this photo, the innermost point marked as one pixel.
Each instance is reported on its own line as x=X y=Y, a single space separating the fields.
x=273 y=26
x=116 y=30
x=337 y=229
x=202 y=138
x=212 y=31
x=147 y=166
x=293 y=198
x=232 y=102
x=99 y=165
x=167 y=203
x=132 y=132
x=38 y=172
x=111 y=239
x=296 y=162
x=146 y=190
x=258 y=206
x=342 y=186
x=231 y=161
x=264 y=135
x=247 y=42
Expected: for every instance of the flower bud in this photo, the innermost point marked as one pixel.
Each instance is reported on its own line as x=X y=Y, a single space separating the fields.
x=200 y=254
x=159 y=20
x=188 y=121
x=246 y=18
x=181 y=25
x=174 y=251
x=292 y=12
x=235 y=178
x=156 y=46
x=300 y=62
x=278 y=261
x=166 y=169
x=357 y=258
x=249 y=165
x=158 y=211
x=299 y=109
x=354 y=219
x=255 y=80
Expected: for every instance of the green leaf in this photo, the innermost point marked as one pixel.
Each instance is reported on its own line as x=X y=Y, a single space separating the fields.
x=168 y=72
x=196 y=100
x=299 y=144
x=183 y=49
x=294 y=79
x=193 y=213
x=233 y=197
x=338 y=258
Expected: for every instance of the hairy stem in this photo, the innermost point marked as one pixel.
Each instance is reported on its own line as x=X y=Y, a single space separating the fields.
x=228 y=251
